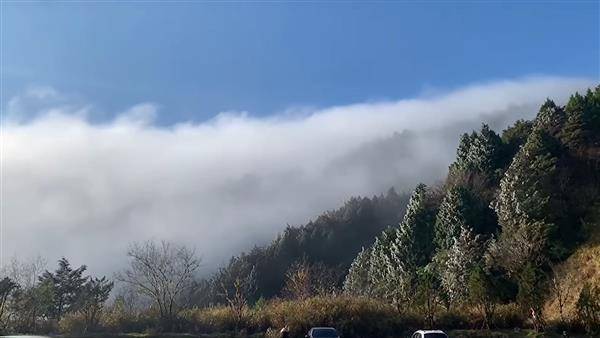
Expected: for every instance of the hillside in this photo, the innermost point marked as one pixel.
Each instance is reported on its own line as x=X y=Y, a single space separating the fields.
x=515 y=221
x=329 y=243
x=583 y=266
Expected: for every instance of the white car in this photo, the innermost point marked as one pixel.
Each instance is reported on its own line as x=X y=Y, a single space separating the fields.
x=429 y=334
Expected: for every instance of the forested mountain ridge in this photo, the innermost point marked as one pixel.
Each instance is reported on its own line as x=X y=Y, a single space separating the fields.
x=328 y=243
x=512 y=207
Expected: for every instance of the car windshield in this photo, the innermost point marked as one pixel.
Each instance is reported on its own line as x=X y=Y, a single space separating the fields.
x=435 y=335
x=324 y=333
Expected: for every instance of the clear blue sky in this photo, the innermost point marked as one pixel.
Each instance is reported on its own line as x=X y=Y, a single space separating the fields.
x=196 y=59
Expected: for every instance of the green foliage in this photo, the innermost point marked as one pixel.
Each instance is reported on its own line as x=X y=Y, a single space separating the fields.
x=29 y=305
x=532 y=289
x=452 y=216
x=455 y=264
x=91 y=301
x=524 y=206
x=398 y=253
x=66 y=284
x=483 y=294
x=583 y=121
x=414 y=246
x=333 y=239
x=427 y=295
x=588 y=308
x=357 y=280
x=7 y=286
x=481 y=152
x=515 y=136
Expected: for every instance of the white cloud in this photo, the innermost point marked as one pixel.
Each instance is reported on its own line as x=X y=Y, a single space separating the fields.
x=82 y=190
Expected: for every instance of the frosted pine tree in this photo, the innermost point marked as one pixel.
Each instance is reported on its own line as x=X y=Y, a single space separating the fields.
x=523 y=205
x=357 y=281
x=460 y=258
x=450 y=218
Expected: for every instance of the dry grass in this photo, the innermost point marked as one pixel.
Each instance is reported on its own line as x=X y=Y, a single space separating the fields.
x=583 y=266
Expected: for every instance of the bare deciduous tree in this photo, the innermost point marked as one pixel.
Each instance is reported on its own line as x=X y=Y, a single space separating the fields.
x=298 y=282
x=161 y=271
x=561 y=284
x=25 y=272
x=304 y=280
x=236 y=294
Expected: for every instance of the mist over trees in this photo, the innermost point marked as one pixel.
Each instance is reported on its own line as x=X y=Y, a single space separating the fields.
x=512 y=206
x=481 y=249
x=330 y=242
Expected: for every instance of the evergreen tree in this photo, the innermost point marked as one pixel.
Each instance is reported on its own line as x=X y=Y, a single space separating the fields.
x=66 y=284
x=93 y=295
x=451 y=217
x=383 y=272
x=397 y=254
x=582 y=127
x=427 y=294
x=514 y=137
x=457 y=263
x=573 y=133
x=480 y=152
x=551 y=118
x=531 y=293
x=414 y=241
x=357 y=280
x=524 y=207
x=483 y=293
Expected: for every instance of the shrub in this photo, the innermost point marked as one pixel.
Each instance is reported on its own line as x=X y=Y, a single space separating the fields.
x=118 y=320
x=588 y=308
x=72 y=324
x=352 y=316
x=508 y=316
x=454 y=320
x=214 y=319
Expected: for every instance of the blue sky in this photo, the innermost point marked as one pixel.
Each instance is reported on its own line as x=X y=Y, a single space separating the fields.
x=197 y=59
x=374 y=95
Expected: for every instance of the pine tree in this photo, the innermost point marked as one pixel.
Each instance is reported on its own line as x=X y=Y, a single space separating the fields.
x=531 y=292
x=414 y=241
x=94 y=294
x=573 y=133
x=380 y=265
x=451 y=217
x=483 y=293
x=523 y=205
x=480 y=152
x=357 y=281
x=550 y=118
x=66 y=284
x=457 y=263
x=398 y=253
x=514 y=137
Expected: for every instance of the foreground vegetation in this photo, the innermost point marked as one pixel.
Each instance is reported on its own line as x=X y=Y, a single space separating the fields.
x=352 y=316
x=508 y=240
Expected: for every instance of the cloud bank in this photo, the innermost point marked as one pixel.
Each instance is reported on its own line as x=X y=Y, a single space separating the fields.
x=85 y=190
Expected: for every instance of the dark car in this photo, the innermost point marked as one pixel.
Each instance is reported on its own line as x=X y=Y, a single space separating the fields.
x=322 y=332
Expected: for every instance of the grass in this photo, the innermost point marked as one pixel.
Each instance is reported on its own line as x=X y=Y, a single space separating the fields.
x=581 y=267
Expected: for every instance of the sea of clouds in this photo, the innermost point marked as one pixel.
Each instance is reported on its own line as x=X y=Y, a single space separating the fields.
x=85 y=190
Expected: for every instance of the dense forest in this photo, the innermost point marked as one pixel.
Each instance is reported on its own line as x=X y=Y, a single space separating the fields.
x=329 y=244
x=488 y=247
x=512 y=207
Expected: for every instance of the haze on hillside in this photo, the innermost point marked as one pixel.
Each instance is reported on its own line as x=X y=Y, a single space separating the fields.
x=229 y=183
